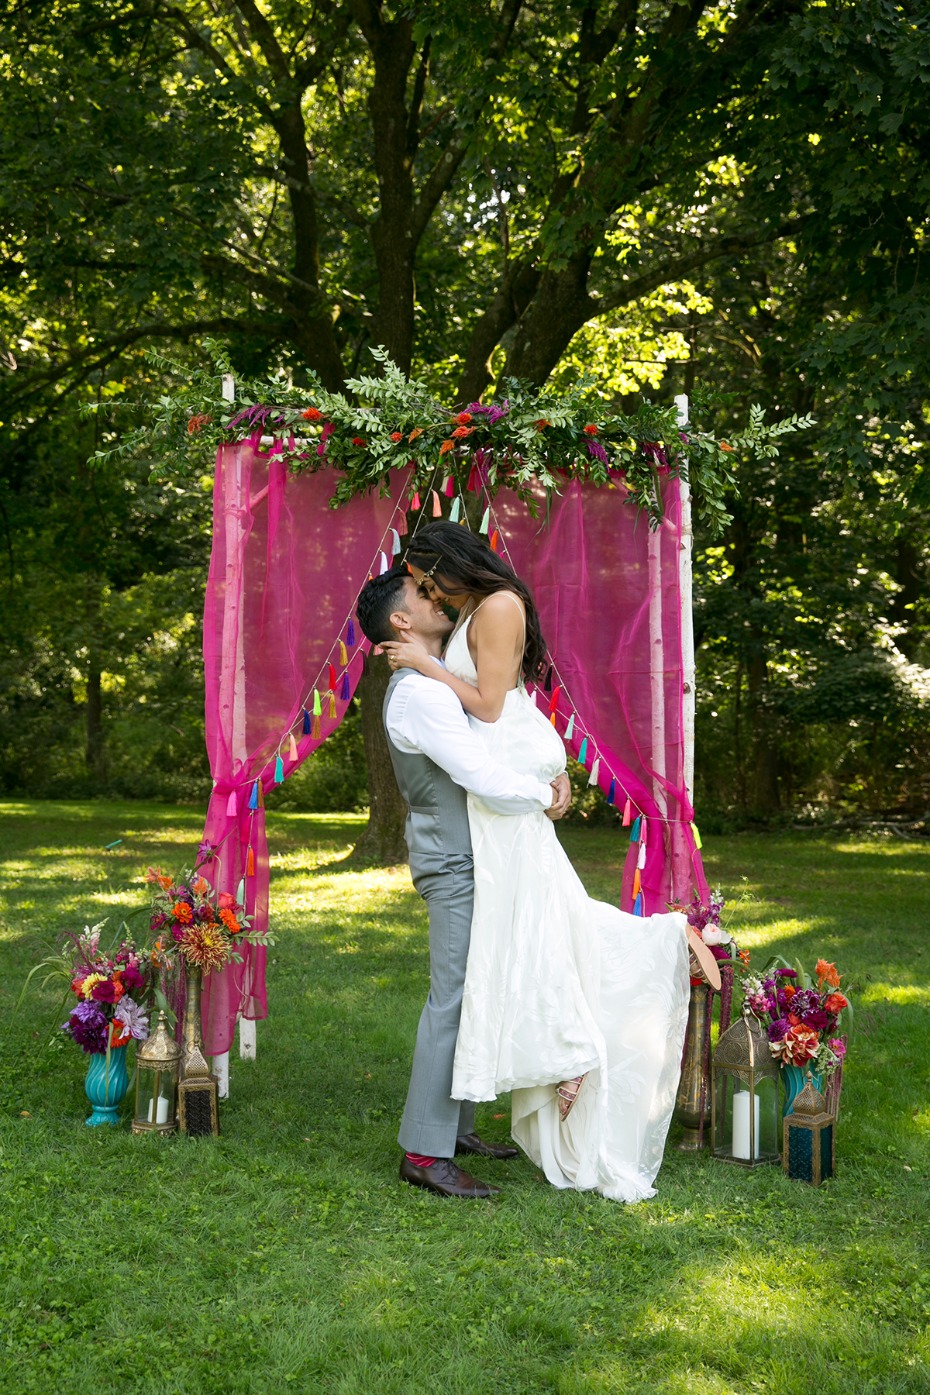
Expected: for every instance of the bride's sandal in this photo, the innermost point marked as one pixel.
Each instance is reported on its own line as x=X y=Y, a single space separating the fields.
x=567 y=1093
x=703 y=964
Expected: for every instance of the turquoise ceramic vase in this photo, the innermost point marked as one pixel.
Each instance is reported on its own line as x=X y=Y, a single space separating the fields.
x=106 y=1085
x=795 y=1078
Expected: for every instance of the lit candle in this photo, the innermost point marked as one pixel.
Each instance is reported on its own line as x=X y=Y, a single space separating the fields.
x=161 y=1116
x=741 y=1147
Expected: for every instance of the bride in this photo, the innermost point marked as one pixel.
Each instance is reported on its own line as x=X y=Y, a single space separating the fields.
x=576 y=1007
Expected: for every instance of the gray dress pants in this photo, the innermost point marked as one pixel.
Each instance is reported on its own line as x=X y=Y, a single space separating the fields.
x=432 y=1118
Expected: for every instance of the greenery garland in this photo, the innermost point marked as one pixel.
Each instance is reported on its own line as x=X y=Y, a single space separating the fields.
x=533 y=437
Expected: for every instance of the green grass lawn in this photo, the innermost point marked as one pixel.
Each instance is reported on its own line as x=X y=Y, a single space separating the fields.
x=286 y=1255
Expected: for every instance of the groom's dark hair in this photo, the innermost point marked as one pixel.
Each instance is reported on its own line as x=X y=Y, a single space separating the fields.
x=377 y=599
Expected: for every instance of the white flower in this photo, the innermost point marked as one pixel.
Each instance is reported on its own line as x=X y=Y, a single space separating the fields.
x=715 y=935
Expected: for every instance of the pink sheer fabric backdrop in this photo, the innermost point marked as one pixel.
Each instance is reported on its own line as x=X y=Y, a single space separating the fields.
x=284 y=576
x=609 y=598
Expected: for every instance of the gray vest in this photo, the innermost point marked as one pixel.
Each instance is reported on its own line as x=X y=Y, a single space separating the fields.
x=437 y=818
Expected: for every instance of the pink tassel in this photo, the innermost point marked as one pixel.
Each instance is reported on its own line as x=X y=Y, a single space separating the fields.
x=627 y=814
x=437 y=507
x=415 y=501
x=232 y=806
x=448 y=487
x=292 y=748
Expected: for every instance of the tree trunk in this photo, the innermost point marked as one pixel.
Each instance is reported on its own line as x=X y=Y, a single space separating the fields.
x=93 y=746
x=382 y=841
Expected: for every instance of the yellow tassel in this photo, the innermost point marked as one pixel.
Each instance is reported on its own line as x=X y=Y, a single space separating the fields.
x=343 y=654
x=552 y=719
x=250 y=864
x=315 y=730
x=332 y=704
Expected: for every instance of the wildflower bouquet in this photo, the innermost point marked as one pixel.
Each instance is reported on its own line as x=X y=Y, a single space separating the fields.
x=188 y=918
x=108 y=988
x=706 y=917
x=801 y=1022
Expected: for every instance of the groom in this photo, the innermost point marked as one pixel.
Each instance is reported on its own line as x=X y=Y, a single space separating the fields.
x=437 y=758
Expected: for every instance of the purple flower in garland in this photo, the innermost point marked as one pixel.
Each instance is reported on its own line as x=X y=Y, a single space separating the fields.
x=596 y=450
x=494 y=413
x=88 y=1026
x=787 y=973
x=205 y=851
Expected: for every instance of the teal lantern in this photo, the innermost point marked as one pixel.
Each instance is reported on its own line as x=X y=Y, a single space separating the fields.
x=809 y=1141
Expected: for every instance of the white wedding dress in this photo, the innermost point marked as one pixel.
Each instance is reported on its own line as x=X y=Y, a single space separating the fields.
x=558 y=985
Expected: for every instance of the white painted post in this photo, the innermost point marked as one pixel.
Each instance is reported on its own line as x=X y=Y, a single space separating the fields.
x=687 y=617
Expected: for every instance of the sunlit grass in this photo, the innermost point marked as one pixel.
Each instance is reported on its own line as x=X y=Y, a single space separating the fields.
x=286 y=1255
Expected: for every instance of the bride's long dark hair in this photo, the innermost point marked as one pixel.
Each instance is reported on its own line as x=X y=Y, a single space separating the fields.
x=463 y=561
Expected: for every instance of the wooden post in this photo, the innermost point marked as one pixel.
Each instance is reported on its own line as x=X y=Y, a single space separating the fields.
x=687 y=616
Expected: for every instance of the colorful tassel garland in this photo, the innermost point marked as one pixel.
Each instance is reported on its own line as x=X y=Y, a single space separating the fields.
x=415 y=501
x=554 y=700
x=455 y=510
x=315 y=730
x=638 y=905
x=552 y=719
x=278 y=770
x=495 y=539
x=570 y=729
x=240 y=892
x=612 y=791
x=437 y=506
x=306 y=722
x=583 y=753
x=448 y=487
x=346 y=692
x=350 y=635
x=634 y=831
x=332 y=679
x=595 y=770
x=253 y=797
x=317 y=703
x=343 y=654
x=292 y=748
x=697 y=836
x=395 y=546
x=641 y=859
x=250 y=864
x=627 y=814
x=385 y=566
x=637 y=883
x=332 y=704
x=232 y=806
x=642 y=831
x=485 y=521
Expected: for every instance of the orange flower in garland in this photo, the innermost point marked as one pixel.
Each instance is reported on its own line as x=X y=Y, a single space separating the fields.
x=230 y=921
x=182 y=912
x=543 y=423
x=462 y=431
x=835 y=1002
x=723 y=446
x=463 y=418
x=397 y=435
x=197 y=423
x=312 y=414
x=446 y=445
x=590 y=430
x=417 y=431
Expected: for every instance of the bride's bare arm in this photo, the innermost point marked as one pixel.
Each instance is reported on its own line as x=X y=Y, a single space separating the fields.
x=497 y=631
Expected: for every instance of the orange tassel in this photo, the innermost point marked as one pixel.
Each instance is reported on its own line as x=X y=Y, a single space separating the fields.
x=636 y=884
x=250 y=864
x=315 y=730
x=552 y=719
x=495 y=538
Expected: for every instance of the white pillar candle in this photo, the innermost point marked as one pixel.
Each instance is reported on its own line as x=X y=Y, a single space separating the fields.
x=741 y=1124
x=161 y=1116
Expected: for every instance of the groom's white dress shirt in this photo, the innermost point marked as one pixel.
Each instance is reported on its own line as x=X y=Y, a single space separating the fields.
x=425 y=717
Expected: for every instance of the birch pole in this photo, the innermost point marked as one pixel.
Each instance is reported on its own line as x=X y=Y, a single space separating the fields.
x=688 y=675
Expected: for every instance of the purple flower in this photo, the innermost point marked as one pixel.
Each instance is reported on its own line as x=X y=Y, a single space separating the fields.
x=88 y=1026
x=786 y=973
x=179 y=931
x=105 y=992
x=493 y=413
x=131 y=1018
x=132 y=978
x=158 y=920
x=779 y=1029
x=205 y=851
x=838 y=1045
x=818 y=1020
x=597 y=451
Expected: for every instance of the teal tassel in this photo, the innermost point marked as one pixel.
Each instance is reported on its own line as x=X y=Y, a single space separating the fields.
x=583 y=753
x=634 y=831
x=485 y=521
x=278 y=771
x=455 y=510
x=570 y=729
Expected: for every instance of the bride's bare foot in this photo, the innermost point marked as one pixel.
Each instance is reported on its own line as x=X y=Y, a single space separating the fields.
x=703 y=963
x=567 y=1093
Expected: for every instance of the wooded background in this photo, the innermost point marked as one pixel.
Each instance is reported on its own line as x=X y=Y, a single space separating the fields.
x=731 y=194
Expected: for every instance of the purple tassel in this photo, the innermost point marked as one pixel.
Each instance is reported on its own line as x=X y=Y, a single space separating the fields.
x=306 y=727
x=346 y=690
x=350 y=635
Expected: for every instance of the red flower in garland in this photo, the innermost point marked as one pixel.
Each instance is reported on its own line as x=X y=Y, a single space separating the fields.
x=359 y=441
x=590 y=430
x=463 y=418
x=461 y=431
x=397 y=435
x=312 y=414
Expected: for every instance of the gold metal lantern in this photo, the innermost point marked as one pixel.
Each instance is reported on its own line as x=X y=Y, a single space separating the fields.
x=157 y=1063
x=745 y=1100
x=198 y=1092
x=809 y=1145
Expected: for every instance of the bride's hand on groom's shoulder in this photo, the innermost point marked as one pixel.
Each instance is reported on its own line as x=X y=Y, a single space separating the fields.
x=562 y=797
x=409 y=653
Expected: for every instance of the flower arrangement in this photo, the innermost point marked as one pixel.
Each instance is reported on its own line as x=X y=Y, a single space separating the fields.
x=189 y=919
x=706 y=917
x=801 y=1022
x=108 y=988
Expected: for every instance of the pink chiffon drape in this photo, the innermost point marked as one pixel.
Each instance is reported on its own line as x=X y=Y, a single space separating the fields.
x=284 y=576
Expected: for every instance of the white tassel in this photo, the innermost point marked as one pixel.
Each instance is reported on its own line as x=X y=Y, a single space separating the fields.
x=592 y=778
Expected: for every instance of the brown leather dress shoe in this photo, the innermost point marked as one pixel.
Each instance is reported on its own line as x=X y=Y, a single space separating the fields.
x=471 y=1143
x=445 y=1179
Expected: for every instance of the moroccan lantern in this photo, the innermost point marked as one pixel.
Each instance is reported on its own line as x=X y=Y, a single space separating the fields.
x=809 y=1146
x=745 y=1124
x=157 y=1062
